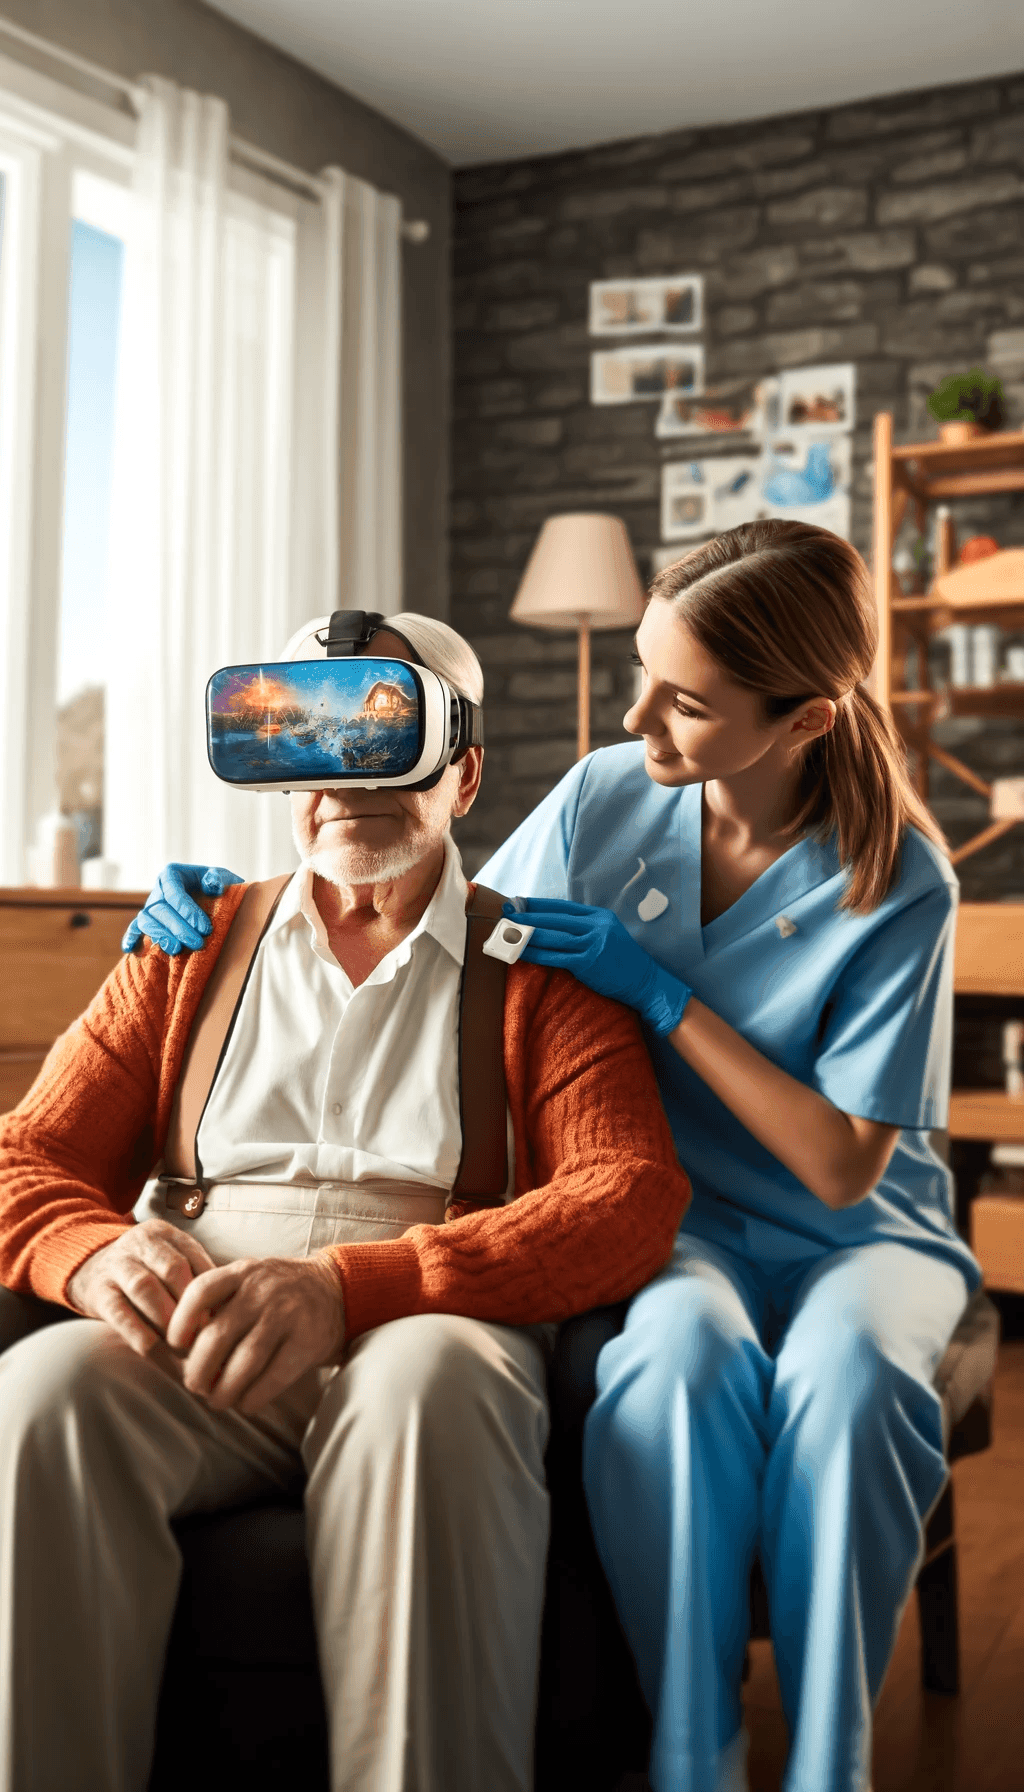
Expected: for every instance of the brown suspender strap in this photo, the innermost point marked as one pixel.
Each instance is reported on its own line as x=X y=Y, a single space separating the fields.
x=483 y=1167
x=211 y=1030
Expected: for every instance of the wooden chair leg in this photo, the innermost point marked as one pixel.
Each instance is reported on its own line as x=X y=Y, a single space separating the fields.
x=937 y=1602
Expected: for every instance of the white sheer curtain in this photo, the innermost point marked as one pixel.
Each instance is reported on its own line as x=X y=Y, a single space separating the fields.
x=257 y=479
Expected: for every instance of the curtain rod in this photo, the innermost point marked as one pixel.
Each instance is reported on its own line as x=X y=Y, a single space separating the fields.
x=414 y=230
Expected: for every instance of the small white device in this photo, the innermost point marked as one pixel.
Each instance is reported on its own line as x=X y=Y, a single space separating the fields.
x=510 y=938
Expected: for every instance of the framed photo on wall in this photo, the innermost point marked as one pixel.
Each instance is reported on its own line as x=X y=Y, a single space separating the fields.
x=630 y=375
x=703 y=497
x=749 y=408
x=818 y=398
x=635 y=307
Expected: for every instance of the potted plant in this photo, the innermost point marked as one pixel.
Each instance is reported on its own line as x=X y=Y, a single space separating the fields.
x=966 y=405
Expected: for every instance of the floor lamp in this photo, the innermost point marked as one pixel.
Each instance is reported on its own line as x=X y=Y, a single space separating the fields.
x=581 y=575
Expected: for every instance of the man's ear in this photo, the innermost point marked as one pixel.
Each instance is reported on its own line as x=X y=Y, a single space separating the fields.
x=470 y=769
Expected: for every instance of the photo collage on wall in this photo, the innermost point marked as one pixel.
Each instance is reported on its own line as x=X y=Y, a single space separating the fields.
x=789 y=433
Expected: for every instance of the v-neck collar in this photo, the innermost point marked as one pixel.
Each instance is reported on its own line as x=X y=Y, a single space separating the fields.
x=802 y=867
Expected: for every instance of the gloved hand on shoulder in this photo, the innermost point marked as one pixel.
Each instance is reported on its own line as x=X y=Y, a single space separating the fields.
x=170 y=918
x=593 y=944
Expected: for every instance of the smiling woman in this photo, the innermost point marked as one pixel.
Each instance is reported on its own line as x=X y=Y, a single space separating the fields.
x=787 y=941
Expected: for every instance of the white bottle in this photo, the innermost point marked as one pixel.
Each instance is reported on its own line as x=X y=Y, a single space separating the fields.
x=959 y=655
x=55 y=860
x=1013 y=1043
x=985 y=654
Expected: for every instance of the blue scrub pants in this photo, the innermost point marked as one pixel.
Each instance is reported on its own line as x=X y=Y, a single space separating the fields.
x=788 y=1409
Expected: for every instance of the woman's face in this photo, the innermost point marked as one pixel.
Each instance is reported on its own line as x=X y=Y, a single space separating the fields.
x=696 y=724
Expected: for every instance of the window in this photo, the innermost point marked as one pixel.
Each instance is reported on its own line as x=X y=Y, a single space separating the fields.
x=98 y=233
x=65 y=169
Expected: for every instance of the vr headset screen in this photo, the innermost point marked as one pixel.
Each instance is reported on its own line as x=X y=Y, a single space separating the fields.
x=304 y=724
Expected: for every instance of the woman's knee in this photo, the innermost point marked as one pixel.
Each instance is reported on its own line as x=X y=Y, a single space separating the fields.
x=843 y=1385
x=685 y=1336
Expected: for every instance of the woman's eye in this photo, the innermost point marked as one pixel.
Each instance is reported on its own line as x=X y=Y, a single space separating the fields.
x=683 y=709
x=635 y=657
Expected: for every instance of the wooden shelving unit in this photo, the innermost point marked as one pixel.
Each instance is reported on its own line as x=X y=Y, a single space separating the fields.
x=921 y=474
x=990 y=961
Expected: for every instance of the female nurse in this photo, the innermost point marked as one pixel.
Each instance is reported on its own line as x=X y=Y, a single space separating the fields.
x=757 y=877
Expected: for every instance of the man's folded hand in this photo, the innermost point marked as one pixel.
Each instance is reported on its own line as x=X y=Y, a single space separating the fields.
x=136 y=1281
x=248 y=1330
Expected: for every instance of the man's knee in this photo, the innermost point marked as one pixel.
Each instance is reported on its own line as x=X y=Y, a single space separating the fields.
x=59 y=1370
x=468 y=1392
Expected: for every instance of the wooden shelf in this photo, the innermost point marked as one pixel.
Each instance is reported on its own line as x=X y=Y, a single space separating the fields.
x=1005 y=699
x=986 y=1114
x=989 y=949
x=929 y=471
x=985 y=700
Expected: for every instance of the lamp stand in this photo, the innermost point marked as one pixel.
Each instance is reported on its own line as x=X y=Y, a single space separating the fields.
x=583 y=691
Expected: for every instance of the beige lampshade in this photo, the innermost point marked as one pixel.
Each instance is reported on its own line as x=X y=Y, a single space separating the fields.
x=581 y=571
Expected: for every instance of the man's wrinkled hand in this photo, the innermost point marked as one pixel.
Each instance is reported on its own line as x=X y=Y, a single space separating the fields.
x=249 y=1329
x=136 y=1281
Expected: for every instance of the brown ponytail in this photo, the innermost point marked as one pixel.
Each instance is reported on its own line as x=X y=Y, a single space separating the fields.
x=787 y=611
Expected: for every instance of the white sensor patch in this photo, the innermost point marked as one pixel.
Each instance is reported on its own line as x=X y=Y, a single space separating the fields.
x=652 y=905
x=507 y=940
x=785 y=925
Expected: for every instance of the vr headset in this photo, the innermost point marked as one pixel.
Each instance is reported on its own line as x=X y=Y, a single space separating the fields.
x=350 y=719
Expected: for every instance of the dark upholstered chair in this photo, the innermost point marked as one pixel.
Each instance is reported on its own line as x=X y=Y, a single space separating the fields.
x=242 y=1672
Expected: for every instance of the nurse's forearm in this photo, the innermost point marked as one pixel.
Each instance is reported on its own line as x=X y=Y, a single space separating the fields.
x=837 y=1156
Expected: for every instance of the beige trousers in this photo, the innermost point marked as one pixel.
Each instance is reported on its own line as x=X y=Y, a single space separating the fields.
x=426 y=1518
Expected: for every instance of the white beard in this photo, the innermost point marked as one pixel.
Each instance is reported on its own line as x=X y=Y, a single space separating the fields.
x=345 y=866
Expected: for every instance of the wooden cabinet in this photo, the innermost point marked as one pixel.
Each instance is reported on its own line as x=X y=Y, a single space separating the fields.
x=56 y=947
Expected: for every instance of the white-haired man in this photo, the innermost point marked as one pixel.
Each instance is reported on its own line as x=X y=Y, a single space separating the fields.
x=321 y=1318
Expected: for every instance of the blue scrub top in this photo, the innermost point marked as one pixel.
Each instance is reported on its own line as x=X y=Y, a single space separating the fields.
x=857 y=1006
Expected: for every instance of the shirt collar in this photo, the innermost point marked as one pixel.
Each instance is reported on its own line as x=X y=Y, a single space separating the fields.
x=444 y=917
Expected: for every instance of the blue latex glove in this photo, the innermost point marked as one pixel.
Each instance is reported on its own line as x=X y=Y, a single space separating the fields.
x=170 y=918
x=593 y=944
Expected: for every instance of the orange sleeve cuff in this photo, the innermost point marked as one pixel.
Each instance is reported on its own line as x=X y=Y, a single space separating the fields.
x=380 y=1281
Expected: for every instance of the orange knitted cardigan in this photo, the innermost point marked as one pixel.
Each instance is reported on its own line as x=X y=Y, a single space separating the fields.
x=600 y=1193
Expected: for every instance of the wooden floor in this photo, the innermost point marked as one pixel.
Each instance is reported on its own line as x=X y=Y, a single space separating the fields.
x=923 y=1742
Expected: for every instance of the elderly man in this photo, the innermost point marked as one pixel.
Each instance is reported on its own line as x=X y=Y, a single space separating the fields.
x=322 y=1318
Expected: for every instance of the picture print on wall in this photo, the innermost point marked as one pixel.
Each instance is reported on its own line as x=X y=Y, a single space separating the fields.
x=632 y=307
x=806 y=480
x=627 y=375
x=817 y=398
x=749 y=408
x=703 y=497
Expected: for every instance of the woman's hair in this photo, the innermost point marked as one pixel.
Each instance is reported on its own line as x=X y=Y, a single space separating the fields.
x=787 y=611
x=438 y=646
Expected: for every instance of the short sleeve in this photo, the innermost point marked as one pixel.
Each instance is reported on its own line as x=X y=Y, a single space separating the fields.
x=534 y=861
x=887 y=1044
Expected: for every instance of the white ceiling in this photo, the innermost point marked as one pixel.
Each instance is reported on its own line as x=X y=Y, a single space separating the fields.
x=492 y=80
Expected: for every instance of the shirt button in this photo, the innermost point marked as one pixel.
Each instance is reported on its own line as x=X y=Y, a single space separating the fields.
x=336 y=1109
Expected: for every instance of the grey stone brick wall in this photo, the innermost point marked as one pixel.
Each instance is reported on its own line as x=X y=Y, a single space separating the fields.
x=890 y=234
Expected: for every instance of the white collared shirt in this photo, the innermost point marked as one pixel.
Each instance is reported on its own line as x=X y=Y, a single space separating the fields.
x=325 y=1082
